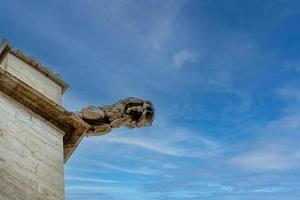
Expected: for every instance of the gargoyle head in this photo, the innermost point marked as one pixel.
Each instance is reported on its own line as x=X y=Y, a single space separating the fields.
x=142 y=113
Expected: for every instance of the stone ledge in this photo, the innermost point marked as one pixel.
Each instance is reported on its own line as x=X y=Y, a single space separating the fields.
x=73 y=127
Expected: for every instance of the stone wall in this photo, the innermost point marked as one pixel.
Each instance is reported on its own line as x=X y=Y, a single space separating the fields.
x=31 y=155
x=32 y=77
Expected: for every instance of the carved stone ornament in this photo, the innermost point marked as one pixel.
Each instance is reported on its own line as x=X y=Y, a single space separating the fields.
x=131 y=112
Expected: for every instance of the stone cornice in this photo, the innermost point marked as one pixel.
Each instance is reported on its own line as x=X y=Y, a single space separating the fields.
x=73 y=127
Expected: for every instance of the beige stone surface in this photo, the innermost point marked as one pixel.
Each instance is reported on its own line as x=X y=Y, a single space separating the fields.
x=31 y=155
x=32 y=77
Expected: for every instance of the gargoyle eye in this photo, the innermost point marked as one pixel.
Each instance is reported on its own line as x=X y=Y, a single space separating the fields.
x=149 y=108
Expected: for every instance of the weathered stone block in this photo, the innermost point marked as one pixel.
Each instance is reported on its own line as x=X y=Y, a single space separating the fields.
x=31 y=161
x=32 y=77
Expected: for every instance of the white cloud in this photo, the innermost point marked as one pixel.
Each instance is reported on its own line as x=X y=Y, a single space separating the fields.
x=142 y=171
x=95 y=180
x=147 y=23
x=182 y=57
x=267 y=160
x=288 y=125
x=277 y=147
x=102 y=189
x=180 y=143
x=169 y=166
x=150 y=145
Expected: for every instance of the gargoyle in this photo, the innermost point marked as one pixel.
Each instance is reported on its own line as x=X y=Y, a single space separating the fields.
x=131 y=112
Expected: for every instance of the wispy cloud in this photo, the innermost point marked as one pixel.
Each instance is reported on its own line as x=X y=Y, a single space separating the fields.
x=75 y=195
x=102 y=189
x=267 y=160
x=204 y=189
x=142 y=171
x=276 y=147
x=146 y=23
x=150 y=145
x=183 y=57
x=83 y=179
x=180 y=143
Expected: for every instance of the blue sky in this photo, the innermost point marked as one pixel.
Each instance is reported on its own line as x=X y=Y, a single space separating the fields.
x=224 y=77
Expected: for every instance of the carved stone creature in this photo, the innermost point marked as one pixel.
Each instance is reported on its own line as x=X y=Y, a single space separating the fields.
x=131 y=112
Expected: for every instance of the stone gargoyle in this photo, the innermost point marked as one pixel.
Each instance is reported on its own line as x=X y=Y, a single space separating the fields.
x=131 y=112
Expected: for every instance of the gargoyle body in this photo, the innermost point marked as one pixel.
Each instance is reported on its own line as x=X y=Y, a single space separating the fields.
x=131 y=112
